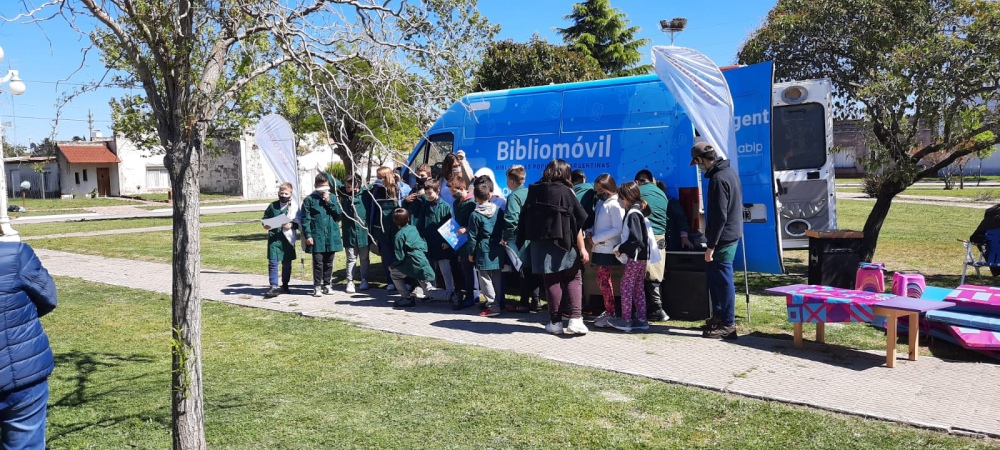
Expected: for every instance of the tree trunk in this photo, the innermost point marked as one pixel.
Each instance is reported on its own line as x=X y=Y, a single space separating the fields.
x=873 y=225
x=182 y=161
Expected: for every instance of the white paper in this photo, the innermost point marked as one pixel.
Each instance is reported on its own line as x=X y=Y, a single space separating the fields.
x=512 y=257
x=276 y=221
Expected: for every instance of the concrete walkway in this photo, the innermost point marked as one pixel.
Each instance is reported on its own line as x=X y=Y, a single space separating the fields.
x=958 y=397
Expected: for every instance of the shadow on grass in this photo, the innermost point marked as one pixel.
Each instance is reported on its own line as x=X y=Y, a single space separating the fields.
x=78 y=368
x=250 y=237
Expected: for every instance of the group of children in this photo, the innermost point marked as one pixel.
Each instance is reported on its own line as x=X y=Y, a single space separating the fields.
x=404 y=222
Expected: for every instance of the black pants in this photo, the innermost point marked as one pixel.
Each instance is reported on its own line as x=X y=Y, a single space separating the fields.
x=322 y=268
x=654 y=302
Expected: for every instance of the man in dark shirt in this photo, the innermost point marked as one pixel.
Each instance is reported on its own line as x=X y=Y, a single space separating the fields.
x=585 y=194
x=723 y=230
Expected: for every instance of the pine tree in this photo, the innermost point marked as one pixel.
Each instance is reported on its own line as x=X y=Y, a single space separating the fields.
x=602 y=33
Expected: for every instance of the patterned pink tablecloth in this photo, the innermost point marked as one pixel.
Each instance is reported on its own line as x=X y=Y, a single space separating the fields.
x=968 y=297
x=824 y=304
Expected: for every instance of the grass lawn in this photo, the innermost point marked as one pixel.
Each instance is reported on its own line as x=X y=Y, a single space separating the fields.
x=279 y=381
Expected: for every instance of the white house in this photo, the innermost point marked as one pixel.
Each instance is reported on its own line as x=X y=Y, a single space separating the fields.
x=141 y=170
x=88 y=167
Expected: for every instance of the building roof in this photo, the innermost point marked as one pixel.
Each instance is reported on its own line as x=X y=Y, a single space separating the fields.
x=87 y=154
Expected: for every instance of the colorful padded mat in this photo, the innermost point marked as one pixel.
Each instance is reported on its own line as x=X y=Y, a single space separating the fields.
x=976 y=339
x=977 y=299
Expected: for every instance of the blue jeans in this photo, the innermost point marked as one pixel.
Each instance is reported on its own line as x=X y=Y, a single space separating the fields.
x=23 y=415
x=272 y=272
x=722 y=288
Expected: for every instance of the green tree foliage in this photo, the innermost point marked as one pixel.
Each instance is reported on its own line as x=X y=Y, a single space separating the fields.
x=453 y=35
x=922 y=75
x=11 y=149
x=602 y=33
x=508 y=64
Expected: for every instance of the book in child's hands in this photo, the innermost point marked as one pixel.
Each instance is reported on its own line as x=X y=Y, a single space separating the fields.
x=449 y=231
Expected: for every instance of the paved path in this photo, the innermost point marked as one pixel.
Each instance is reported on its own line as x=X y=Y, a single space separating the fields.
x=130 y=212
x=960 y=202
x=950 y=396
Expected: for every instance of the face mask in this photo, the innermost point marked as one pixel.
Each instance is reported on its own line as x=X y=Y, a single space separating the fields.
x=456 y=170
x=323 y=188
x=603 y=196
x=284 y=198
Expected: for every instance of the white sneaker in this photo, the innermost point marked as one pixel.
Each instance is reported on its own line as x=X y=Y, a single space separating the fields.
x=554 y=328
x=350 y=287
x=576 y=326
x=364 y=285
x=602 y=321
x=391 y=287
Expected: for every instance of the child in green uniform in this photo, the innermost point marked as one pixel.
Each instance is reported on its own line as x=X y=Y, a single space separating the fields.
x=409 y=259
x=429 y=214
x=529 y=282
x=280 y=241
x=462 y=209
x=321 y=232
x=355 y=234
x=484 y=238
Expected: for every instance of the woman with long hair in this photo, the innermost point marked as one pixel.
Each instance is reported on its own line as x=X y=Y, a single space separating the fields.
x=381 y=199
x=552 y=220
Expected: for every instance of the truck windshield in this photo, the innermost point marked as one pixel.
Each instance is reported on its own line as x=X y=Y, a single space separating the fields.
x=798 y=137
x=435 y=148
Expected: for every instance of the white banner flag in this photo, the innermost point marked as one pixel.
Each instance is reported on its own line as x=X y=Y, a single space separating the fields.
x=277 y=142
x=699 y=87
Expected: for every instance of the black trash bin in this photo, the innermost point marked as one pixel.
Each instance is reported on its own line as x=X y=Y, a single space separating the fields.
x=834 y=257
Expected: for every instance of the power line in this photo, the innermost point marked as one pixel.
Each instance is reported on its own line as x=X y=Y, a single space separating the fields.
x=54 y=118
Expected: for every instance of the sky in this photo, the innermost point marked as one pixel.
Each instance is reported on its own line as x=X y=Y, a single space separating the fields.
x=50 y=56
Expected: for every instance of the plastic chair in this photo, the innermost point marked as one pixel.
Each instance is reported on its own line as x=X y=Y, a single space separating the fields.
x=989 y=254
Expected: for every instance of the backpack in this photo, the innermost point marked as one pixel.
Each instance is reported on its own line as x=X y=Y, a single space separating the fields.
x=652 y=249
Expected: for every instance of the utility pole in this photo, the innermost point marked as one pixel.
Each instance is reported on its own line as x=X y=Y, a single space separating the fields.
x=90 y=125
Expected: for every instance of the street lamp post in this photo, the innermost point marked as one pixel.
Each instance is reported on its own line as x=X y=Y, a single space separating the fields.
x=7 y=233
x=673 y=26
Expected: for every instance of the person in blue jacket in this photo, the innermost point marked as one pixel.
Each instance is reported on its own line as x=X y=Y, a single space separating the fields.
x=27 y=292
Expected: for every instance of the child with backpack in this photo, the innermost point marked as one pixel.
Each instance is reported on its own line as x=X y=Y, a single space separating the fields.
x=634 y=251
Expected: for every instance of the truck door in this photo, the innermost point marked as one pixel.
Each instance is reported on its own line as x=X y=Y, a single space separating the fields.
x=802 y=137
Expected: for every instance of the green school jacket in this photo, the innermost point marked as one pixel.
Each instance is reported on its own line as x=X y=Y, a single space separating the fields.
x=410 y=254
x=463 y=211
x=319 y=222
x=352 y=221
x=427 y=217
x=278 y=246
x=512 y=215
x=484 y=238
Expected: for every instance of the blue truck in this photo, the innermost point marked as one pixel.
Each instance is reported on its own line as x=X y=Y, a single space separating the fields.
x=620 y=126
